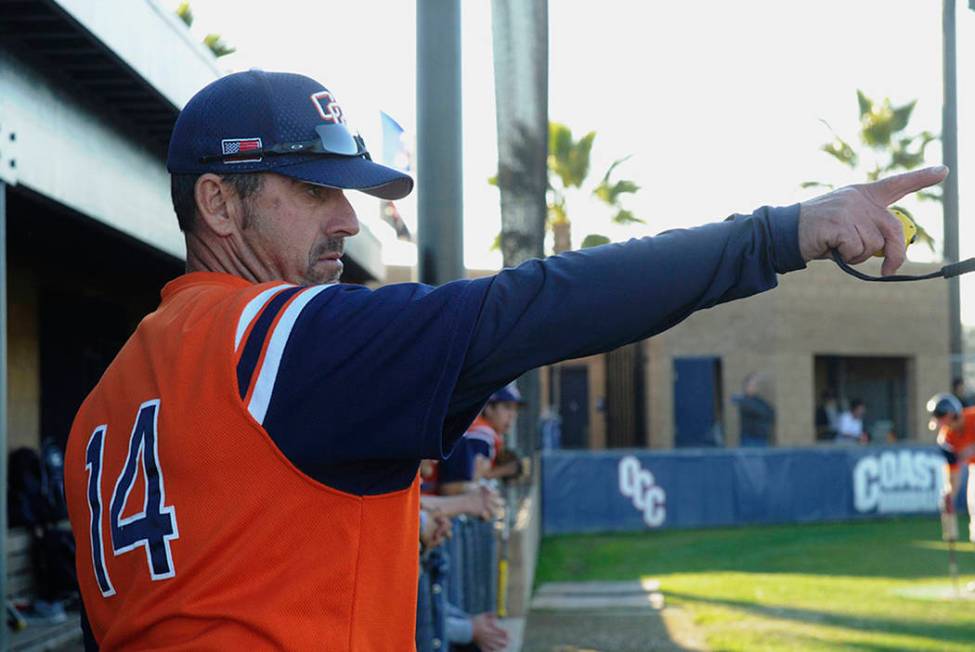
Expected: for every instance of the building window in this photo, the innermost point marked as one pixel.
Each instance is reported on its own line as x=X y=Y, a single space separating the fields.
x=881 y=383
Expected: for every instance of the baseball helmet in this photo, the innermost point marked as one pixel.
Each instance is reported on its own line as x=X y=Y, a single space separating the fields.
x=289 y=124
x=944 y=404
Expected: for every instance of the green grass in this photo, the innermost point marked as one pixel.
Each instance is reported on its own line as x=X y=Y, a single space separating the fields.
x=808 y=587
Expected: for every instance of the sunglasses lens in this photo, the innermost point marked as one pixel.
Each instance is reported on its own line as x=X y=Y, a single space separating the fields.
x=337 y=139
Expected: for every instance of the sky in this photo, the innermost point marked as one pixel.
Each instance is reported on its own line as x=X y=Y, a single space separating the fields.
x=719 y=105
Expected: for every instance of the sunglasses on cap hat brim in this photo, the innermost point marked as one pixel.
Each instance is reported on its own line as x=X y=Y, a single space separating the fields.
x=334 y=139
x=339 y=160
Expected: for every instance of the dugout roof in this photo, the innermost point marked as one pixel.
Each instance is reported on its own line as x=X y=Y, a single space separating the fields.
x=91 y=91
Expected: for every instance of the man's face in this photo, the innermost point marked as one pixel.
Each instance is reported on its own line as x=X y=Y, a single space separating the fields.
x=859 y=411
x=501 y=415
x=297 y=230
x=752 y=386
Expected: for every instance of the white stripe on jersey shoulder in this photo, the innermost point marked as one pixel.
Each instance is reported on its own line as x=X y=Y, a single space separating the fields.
x=252 y=309
x=264 y=384
x=481 y=434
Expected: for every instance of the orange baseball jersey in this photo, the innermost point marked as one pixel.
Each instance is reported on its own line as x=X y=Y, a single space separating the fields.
x=956 y=440
x=244 y=475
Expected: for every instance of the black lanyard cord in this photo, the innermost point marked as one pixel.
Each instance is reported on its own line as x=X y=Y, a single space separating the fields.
x=948 y=271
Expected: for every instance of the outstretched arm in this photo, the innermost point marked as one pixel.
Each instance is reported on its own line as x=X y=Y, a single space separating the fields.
x=585 y=302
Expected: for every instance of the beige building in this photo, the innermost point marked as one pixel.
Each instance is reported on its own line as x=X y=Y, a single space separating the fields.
x=886 y=343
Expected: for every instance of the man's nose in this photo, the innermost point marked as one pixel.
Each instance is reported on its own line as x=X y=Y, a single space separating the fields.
x=343 y=222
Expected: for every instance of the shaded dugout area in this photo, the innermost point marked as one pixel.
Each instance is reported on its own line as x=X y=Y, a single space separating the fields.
x=77 y=290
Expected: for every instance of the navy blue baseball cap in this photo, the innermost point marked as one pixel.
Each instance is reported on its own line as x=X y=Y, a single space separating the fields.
x=285 y=123
x=508 y=393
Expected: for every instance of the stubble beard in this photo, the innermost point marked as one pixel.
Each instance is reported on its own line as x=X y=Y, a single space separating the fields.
x=315 y=274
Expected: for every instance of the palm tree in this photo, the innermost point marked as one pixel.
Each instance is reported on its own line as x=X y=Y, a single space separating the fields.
x=883 y=131
x=520 y=37
x=569 y=165
x=214 y=42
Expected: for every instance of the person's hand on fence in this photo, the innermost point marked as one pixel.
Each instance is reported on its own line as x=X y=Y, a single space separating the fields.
x=855 y=221
x=435 y=529
x=484 y=502
x=444 y=528
x=488 y=636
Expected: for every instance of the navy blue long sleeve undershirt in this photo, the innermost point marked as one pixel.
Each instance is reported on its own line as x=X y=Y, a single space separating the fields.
x=594 y=300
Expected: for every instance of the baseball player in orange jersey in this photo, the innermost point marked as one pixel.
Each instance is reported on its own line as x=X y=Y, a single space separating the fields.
x=244 y=475
x=956 y=439
x=497 y=417
x=475 y=455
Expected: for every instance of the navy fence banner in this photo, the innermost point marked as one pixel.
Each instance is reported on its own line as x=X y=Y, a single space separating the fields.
x=600 y=491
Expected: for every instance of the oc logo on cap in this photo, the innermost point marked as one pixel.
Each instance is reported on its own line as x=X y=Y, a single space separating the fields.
x=327 y=107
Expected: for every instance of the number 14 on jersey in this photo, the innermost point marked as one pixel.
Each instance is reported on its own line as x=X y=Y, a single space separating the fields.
x=151 y=529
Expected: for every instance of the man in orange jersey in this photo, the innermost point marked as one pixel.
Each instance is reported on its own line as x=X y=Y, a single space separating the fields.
x=956 y=439
x=244 y=474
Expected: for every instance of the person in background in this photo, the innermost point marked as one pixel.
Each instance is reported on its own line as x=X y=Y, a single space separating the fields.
x=475 y=454
x=462 y=630
x=551 y=428
x=756 y=414
x=429 y=477
x=480 y=632
x=961 y=392
x=955 y=425
x=499 y=415
x=850 y=426
x=827 y=416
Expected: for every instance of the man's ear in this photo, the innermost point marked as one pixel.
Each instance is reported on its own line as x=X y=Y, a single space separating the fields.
x=218 y=208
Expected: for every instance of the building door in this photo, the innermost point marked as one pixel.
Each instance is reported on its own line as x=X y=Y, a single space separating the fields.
x=574 y=406
x=697 y=401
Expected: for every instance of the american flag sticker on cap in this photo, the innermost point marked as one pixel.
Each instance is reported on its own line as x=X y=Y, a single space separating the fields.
x=239 y=148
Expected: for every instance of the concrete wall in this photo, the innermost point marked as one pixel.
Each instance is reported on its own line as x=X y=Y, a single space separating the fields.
x=820 y=311
x=137 y=31
x=66 y=150
x=524 y=540
x=69 y=151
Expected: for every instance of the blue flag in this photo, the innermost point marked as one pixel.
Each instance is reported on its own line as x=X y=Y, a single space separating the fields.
x=396 y=154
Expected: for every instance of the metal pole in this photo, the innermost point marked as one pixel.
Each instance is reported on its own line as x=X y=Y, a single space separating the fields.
x=440 y=236
x=4 y=413
x=949 y=144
